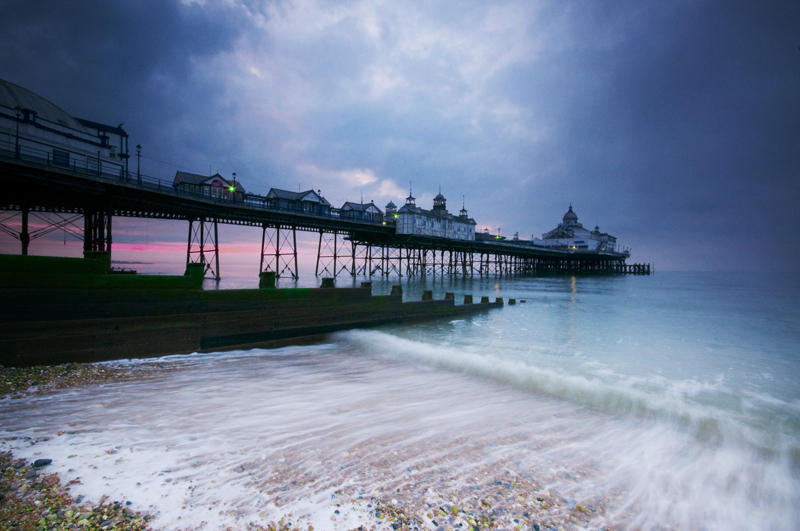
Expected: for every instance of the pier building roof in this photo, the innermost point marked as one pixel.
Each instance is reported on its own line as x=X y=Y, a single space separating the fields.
x=362 y=207
x=570 y=229
x=571 y=218
x=307 y=196
x=15 y=97
x=183 y=178
x=439 y=213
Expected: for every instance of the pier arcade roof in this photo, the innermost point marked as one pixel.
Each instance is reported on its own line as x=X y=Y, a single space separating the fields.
x=307 y=196
x=370 y=207
x=15 y=97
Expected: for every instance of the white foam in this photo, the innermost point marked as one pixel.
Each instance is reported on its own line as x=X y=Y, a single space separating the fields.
x=298 y=434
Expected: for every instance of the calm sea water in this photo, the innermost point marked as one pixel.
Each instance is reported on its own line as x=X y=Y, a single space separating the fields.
x=663 y=402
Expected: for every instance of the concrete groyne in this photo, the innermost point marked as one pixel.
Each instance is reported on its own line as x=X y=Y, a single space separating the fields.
x=86 y=323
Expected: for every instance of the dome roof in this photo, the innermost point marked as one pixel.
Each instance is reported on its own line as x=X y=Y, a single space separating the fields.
x=13 y=96
x=570 y=216
x=439 y=197
x=391 y=204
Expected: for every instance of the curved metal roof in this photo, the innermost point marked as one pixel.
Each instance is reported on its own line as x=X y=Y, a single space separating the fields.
x=13 y=96
x=570 y=215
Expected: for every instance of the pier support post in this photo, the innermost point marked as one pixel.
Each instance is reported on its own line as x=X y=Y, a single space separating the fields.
x=362 y=260
x=69 y=225
x=377 y=260
x=200 y=240
x=279 y=250
x=393 y=261
x=334 y=254
x=96 y=229
x=24 y=235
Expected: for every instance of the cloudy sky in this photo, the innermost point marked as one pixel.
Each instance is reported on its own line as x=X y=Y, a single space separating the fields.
x=674 y=126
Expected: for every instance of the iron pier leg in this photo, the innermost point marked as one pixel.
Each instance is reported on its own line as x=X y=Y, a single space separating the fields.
x=319 y=250
x=216 y=249
x=95 y=222
x=189 y=244
x=198 y=236
x=353 y=259
x=294 y=251
x=263 y=238
x=335 y=251
x=278 y=251
x=88 y=231
x=202 y=242
x=24 y=236
x=108 y=234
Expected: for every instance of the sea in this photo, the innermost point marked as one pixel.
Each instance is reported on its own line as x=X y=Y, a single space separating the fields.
x=662 y=401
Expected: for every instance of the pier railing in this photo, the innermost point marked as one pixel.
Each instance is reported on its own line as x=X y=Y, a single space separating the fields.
x=97 y=169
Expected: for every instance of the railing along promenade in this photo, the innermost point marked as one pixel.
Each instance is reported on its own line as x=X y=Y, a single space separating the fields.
x=32 y=182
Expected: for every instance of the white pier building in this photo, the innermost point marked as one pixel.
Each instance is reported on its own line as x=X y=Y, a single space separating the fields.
x=571 y=235
x=438 y=222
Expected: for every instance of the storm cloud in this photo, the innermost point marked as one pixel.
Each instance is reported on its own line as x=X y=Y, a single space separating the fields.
x=674 y=126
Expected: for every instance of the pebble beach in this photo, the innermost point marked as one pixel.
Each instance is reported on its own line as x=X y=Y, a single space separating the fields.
x=421 y=498
x=31 y=498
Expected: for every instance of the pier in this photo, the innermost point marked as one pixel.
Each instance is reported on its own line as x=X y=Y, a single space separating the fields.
x=74 y=176
x=86 y=203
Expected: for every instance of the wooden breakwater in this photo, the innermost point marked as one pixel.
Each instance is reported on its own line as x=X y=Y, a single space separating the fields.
x=51 y=325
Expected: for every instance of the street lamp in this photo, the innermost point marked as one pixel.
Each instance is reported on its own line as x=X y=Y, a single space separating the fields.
x=18 y=112
x=138 y=163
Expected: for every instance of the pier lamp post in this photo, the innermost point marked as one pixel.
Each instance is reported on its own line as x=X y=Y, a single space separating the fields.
x=18 y=112
x=138 y=163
